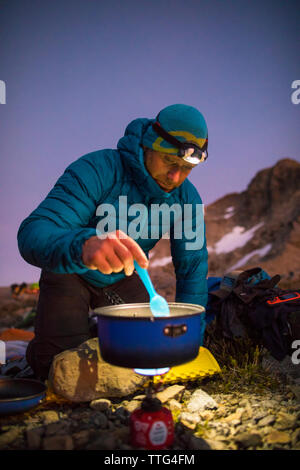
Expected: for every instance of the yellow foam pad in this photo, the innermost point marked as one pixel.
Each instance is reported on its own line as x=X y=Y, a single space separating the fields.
x=202 y=366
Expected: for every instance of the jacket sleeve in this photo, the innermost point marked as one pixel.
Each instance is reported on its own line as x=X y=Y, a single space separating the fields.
x=190 y=255
x=51 y=237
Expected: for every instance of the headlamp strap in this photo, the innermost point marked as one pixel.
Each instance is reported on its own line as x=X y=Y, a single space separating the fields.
x=171 y=139
x=165 y=135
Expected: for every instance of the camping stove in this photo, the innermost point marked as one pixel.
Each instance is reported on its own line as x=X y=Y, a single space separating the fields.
x=151 y=426
x=130 y=336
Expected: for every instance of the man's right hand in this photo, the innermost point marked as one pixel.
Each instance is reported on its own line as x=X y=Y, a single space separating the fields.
x=113 y=254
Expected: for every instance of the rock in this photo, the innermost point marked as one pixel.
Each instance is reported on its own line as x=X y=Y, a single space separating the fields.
x=80 y=414
x=139 y=397
x=49 y=416
x=278 y=437
x=285 y=421
x=81 y=438
x=222 y=438
x=133 y=405
x=189 y=420
x=9 y=436
x=174 y=405
x=211 y=434
x=207 y=415
x=259 y=415
x=221 y=411
x=100 y=420
x=296 y=437
x=236 y=416
x=233 y=400
x=122 y=433
x=267 y=421
x=64 y=442
x=81 y=375
x=266 y=430
x=238 y=430
x=58 y=427
x=249 y=411
x=201 y=401
x=102 y=404
x=265 y=404
x=103 y=442
x=216 y=445
x=235 y=422
x=34 y=437
x=170 y=392
x=122 y=414
x=197 y=443
x=248 y=439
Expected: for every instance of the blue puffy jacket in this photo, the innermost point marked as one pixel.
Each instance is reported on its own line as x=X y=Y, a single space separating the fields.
x=53 y=234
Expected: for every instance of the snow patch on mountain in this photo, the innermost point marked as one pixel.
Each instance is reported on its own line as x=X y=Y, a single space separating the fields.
x=237 y=238
x=261 y=252
x=229 y=212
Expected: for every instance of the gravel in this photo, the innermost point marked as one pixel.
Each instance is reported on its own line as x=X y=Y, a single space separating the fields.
x=243 y=421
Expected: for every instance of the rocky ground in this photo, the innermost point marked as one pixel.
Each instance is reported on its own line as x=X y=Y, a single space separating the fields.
x=253 y=404
x=221 y=421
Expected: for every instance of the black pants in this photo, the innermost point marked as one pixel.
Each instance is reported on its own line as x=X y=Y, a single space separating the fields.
x=62 y=320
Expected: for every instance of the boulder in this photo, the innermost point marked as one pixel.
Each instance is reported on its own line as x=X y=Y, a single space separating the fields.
x=200 y=401
x=81 y=375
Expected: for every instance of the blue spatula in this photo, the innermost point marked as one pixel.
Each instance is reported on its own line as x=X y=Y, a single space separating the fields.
x=158 y=305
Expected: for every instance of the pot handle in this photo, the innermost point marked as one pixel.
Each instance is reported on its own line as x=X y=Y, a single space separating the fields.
x=175 y=330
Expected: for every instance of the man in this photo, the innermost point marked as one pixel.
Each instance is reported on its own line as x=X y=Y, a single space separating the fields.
x=87 y=258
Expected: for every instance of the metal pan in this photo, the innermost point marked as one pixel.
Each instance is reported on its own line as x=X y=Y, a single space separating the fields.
x=129 y=335
x=20 y=395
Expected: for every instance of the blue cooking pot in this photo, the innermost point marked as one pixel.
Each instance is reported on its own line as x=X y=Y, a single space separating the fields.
x=20 y=395
x=129 y=335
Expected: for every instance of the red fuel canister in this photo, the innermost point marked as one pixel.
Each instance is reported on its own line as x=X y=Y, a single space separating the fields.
x=151 y=426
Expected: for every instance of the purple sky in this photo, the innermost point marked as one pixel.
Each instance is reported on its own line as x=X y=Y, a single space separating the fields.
x=78 y=71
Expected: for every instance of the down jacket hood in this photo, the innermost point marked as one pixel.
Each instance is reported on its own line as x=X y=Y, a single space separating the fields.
x=130 y=147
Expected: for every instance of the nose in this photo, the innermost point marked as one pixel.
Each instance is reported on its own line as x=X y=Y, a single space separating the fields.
x=174 y=175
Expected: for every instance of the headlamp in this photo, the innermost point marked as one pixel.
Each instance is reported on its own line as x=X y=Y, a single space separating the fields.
x=188 y=151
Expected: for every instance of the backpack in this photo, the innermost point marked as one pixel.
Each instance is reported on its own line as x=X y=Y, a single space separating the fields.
x=250 y=304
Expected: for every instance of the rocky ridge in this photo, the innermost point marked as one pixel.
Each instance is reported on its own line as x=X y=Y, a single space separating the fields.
x=258 y=227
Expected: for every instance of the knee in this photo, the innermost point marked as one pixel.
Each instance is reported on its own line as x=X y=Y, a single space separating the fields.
x=39 y=356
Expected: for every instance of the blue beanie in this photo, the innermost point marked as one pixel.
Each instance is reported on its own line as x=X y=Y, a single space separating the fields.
x=183 y=122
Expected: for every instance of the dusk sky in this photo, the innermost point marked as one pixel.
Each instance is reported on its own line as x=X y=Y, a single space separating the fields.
x=78 y=71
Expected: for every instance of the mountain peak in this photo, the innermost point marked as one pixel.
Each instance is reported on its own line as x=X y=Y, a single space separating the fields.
x=259 y=226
